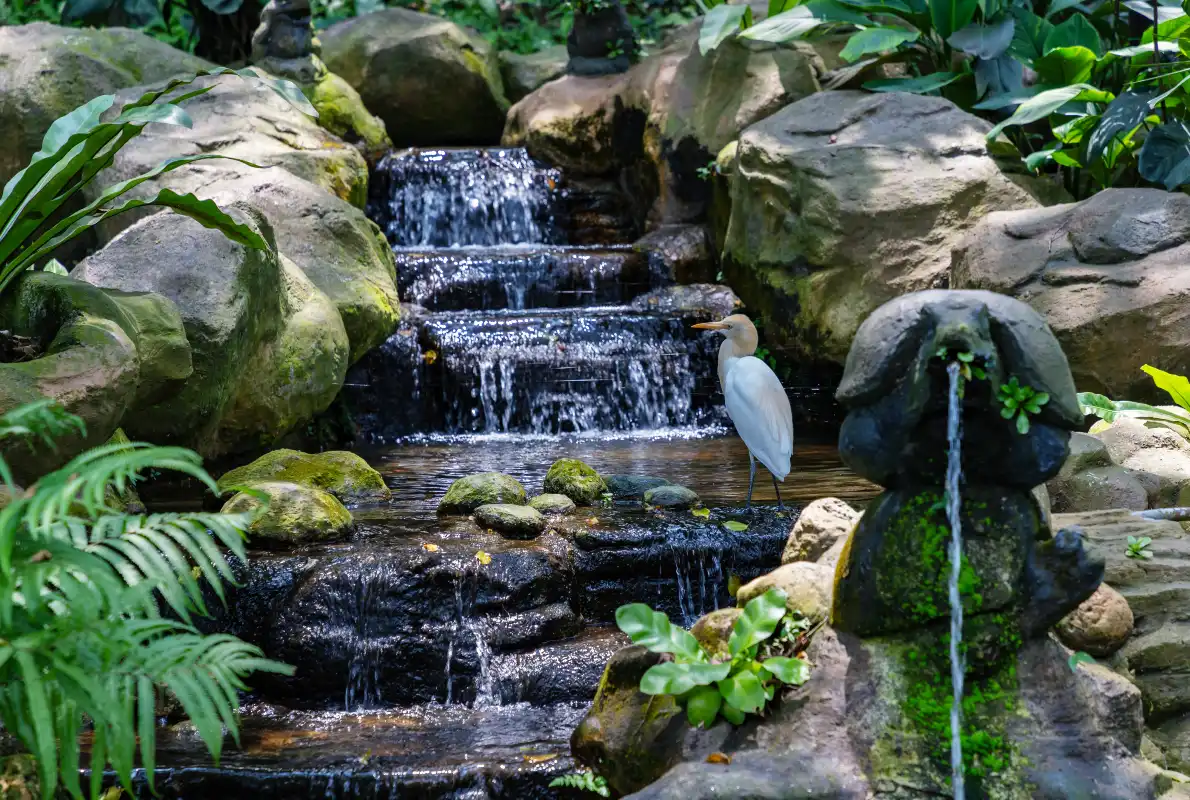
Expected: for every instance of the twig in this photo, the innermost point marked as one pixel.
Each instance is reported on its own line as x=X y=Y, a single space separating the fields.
x=1177 y=514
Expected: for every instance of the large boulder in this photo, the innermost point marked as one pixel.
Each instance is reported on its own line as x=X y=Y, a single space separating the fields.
x=807 y=588
x=844 y=200
x=295 y=515
x=244 y=119
x=819 y=525
x=670 y=114
x=47 y=71
x=103 y=352
x=345 y=475
x=511 y=521
x=266 y=351
x=1108 y=275
x=430 y=81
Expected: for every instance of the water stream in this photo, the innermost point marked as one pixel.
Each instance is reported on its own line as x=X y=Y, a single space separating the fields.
x=954 y=474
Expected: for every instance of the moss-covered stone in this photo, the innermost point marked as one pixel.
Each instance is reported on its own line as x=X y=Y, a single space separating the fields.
x=342 y=112
x=552 y=504
x=576 y=480
x=431 y=81
x=344 y=475
x=672 y=496
x=511 y=521
x=296 y=515
x=469 y=493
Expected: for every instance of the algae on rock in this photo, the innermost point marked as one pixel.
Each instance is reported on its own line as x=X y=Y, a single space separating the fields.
x=295 y=515
x=576 y=480
x=469 y=493
x=344 y=475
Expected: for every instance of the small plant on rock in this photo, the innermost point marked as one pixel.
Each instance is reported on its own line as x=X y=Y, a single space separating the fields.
x=1020 y=401
x=584 y=781
x=710 y=685
x=1138 y=547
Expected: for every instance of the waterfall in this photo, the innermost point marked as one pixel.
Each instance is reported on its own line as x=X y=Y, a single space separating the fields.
x=954 y=472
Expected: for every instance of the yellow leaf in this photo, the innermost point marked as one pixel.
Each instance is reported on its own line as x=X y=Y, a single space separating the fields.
x=430 y=356
x=593 y=521
x=705 y=513
x=733 y=584
x=541 y=759
x=718 y=758
x=483 y=558
x=733 y=525
x=430 y=548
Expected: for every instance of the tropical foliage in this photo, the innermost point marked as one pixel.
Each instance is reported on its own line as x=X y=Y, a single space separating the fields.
x=85 y=642
x=34 y=218
x=583 y=781
x=711 y=685
x=1177 y=419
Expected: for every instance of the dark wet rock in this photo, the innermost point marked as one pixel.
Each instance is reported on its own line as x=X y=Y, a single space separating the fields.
x=469 y=493
x=566 y=671
x=552 y=504
x=714 y=630
x=807 y=588
x=1100 y=626
x=515 y=522
x=1099 y=489
x=345 y=475
x=671 y=496
x=680 y=252
x=632 y=487
x=700 y=300
x=818 y=527
x=675 y=562
x=601 y=41
x=576 y=480
x=296 y=515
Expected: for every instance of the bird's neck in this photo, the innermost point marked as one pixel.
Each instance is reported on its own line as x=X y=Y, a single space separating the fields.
x=729 y=353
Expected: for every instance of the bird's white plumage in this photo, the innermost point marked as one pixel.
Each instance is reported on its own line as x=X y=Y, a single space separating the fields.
x=759 y=407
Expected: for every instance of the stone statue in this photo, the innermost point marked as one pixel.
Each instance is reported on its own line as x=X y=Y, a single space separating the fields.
x=895 y=387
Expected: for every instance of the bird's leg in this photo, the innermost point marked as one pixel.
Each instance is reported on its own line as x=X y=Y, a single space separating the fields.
x=780 y=505
x=751 y=479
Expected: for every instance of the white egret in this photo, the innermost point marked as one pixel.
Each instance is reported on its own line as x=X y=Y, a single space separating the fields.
x=755 y=399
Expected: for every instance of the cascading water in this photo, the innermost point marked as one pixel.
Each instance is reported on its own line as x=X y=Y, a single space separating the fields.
x=954 y=474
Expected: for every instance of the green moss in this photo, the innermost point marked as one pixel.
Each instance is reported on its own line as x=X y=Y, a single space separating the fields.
x=469 y=493
x=576 y=480
x=344 y=475
x=295 y=515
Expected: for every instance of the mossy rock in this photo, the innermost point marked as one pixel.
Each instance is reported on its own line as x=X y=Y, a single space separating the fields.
x=632 y=487
x=296 y=515
x=576 y=480
x=342 y=112
x=553 y=504
x=714 y=630
x=510 y=521
x=485 y=488
x=344 y=475
x=672 y=496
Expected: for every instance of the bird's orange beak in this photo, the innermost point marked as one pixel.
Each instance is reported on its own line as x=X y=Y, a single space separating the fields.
x=711 y=326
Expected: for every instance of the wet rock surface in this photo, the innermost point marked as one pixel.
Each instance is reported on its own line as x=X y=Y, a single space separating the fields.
x=670 y=496
x=345 y=475
x=295 y=515
x=576 y=480
x=469 y=493
x=514 y=522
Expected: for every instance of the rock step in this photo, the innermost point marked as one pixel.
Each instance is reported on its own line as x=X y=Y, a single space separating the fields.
x=543 y=371
x=427 y=752
x=449 y=279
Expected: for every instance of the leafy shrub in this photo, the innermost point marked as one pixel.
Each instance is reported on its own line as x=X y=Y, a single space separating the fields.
x=81 y=144
x=83 y=640
x=1178 y=419
x=710 y=686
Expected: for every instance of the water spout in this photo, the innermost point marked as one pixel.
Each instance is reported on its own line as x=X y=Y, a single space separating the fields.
x=954 y=472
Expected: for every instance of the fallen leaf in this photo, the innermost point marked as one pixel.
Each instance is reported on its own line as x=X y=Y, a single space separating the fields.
x=430 y=548
x=705 y=513
x=541 y=759
x=593 y=521
x=733 y=584
x=718 y=758
x=483 y=558
x=430 y=356
x=365 y=758
x=733 y=525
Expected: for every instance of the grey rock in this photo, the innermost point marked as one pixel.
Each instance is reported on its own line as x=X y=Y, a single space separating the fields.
x=819 y=526
x=552 y=504
x=524 y=74
x=632 y=487
x=1098 y=489
x=515 y=522
x=671 y=497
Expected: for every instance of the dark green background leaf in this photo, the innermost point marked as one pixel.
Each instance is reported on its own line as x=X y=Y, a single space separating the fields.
x=1165 y=156
x=984 y=40
x=1122 y=116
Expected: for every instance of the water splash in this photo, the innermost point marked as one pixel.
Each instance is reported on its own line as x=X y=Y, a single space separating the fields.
x=699 y=580
x=954 y=473
x=452 y=198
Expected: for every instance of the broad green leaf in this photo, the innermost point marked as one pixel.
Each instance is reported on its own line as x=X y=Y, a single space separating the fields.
x=949 y=16
x=833 y=11
x=142 y=13
x=1165 y=156
x=652 y=629
x=719 y=23
x=1072 y=133
x=1038 y=157
x=785 y=27
x=1029 y=35
x=1058 y=6
x=875 y=40
x=760 y=618
x=793 y=671
x=1039 y=106
x=701 y=513
x=889 y=8
x=1066 y=66
x=1074 y=32
x=1141 y=49
x=1123 y=116
x=922 y=85
x=1079 y=658
x=776 y=7
x=744 y=691
x=736 y=526
x=223 y=7
x=1177 y=386
x=730 y=713
x=702 y=706
x=78 y=10
x=1169 y=29
x=984 y=40
x=675 y=677
x=1002 y=76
